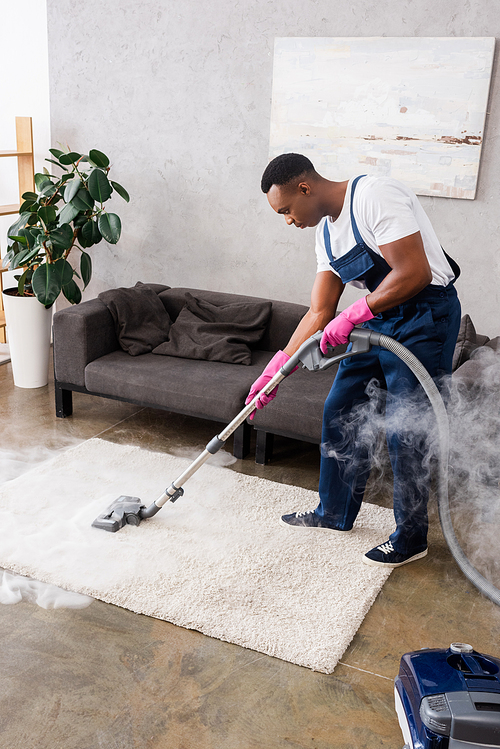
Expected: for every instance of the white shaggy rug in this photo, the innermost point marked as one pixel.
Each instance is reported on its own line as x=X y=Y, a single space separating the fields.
x=218 y=560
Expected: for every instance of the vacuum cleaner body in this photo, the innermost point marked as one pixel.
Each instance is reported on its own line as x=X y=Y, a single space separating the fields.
x=449 y=699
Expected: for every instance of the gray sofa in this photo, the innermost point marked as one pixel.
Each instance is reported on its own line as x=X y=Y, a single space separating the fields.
x=88 y=358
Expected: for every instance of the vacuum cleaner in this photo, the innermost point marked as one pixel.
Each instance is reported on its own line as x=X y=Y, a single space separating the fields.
x=130 y=510
x=449 y=699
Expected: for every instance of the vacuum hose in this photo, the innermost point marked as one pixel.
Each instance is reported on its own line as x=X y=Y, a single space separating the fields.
x=310 y=356
x=429 y=386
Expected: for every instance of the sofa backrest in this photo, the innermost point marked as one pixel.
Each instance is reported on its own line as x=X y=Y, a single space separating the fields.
x=285 y=316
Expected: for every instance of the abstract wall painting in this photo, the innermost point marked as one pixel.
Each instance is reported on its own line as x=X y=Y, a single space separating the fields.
x=409 y=108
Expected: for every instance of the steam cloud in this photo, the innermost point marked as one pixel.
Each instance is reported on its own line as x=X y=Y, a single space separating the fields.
x=473 y=405
x=16 y=588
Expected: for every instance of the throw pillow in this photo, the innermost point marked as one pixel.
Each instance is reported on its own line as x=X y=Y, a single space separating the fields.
x=141 y=320
x=467 y=341
x=216 y=333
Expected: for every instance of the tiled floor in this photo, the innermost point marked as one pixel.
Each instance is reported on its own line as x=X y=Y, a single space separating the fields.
x=105 y=677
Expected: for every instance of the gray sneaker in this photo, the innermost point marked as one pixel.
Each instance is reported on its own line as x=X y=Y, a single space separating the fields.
x=309 y=519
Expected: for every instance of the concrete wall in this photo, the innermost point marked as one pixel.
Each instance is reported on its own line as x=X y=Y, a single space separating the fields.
x=178 y=95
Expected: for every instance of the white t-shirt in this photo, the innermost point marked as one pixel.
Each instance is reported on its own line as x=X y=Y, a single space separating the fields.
x=385 y=211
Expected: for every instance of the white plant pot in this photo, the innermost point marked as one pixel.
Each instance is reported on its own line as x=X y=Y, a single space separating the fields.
x=28 y=330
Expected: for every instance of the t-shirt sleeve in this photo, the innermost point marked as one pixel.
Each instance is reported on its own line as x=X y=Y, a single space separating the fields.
x=321 y=255
x=387 y=209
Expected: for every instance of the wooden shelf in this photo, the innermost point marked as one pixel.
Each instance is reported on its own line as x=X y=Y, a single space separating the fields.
x=25 y=169
x=7 y=210
x=15 y=153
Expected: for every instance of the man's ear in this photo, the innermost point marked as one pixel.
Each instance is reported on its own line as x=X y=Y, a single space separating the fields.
x=304 y=188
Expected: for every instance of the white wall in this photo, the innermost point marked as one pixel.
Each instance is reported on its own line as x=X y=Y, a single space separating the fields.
x=24 y=92
x=178 y=95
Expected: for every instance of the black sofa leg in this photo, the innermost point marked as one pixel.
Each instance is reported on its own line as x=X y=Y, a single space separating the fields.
x=64 y=401
x=241 y=441
x=264 y=447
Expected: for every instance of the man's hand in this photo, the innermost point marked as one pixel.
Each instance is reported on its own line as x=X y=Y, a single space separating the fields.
x=337 y=331
x=324 y=298
x=267 y=375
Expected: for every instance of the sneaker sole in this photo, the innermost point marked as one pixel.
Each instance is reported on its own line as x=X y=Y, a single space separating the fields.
x=373 y=563
x=313 y=528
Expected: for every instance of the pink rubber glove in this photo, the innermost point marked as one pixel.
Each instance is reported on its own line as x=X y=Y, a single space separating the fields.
x=274 y=366
x=338 y=330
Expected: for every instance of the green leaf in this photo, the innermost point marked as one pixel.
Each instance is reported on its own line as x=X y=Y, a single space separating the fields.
x=99 y=186
x=86 y=269
x=121 y=191
x=72 y=292
x=29 y=196
x=67 y=214
x=99 y=159
x=69 y=158
x=71 y=189
x=56 y=152
x=80 y=220
x=28 y=205
x=41 y=181
x=47 y=213
x=85 y=234
x=19 y=224
x=48 y=280
x=25 y=257
x=110 y=227
x=30 y=235
x=21 y=239
x=22 y=281
x=62 y=237
x=48 y=190
x=96 y=234
x=65 y=177
x=83 y=201
x=90 y=234
x=57 y=164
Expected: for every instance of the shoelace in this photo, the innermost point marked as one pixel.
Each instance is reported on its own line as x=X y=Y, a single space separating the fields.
x=386 y=548
x=301 y=514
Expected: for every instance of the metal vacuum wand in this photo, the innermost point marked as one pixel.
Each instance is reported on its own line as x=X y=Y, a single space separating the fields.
x=130 y=510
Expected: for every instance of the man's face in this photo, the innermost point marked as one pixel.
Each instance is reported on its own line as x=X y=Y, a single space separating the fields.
x=296 y=203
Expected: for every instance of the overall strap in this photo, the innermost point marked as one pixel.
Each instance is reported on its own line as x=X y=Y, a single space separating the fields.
x=357 y=235
x=355 y=230
x=328 y=244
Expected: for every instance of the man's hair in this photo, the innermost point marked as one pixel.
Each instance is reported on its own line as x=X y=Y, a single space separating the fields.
x=283 y=169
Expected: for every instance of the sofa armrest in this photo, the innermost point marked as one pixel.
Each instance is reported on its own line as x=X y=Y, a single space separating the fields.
x=81 y=334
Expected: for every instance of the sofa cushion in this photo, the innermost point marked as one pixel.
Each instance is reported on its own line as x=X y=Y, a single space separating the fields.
x=211 y=390
x=285 y=316
x=210 y=332
x=141 y=320
x=467 y=341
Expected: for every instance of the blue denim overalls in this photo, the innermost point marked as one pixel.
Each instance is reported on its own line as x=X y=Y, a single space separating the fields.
x=427 y=324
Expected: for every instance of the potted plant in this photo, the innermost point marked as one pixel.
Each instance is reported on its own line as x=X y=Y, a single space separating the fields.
x=65 y=215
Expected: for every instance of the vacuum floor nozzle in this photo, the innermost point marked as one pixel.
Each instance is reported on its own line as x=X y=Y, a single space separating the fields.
x=123 y=511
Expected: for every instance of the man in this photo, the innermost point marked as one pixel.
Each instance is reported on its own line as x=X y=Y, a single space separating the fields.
x=371 y=232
